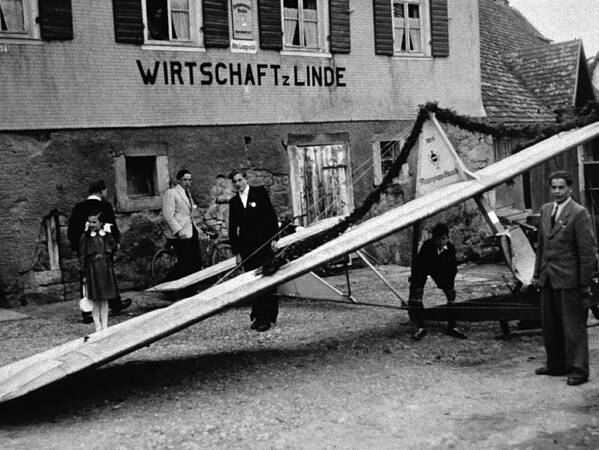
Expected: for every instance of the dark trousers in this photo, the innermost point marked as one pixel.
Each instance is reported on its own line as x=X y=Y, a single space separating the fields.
x=416 y=308
x=189 y=258
x=265 y=308
x=564 y=317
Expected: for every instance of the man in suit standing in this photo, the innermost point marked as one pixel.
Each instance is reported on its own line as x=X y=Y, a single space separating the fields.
x=96 y=201
x=177 y=210
x=564 y=271
x=252 y=234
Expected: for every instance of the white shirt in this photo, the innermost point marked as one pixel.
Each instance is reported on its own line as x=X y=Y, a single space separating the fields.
x=94 y=197
x=560 y=207
x=244 y=195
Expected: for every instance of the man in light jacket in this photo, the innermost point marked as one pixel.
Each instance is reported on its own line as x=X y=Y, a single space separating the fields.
x=177 y=210
x=564 y=271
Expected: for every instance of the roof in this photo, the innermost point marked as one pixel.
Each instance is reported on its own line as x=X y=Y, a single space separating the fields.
x=549 y=71
x=505 y=96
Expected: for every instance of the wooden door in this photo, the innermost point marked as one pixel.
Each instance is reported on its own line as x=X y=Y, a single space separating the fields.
x=321 y=185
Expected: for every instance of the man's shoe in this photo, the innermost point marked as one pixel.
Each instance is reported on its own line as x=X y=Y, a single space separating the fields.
x=419 y=334
x=117 y=309
x=125 y=303
x=542 y=371
x=545 y=371
x=262 y=326
x=86 y=317
x=454 y=332
x=576 y=379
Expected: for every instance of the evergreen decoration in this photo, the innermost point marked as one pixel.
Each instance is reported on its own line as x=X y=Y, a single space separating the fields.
x=533 y=133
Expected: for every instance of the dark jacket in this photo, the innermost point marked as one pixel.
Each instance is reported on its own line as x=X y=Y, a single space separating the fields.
x=253 y=226
x=442 y=267
x=566 y=250
x=80 y=214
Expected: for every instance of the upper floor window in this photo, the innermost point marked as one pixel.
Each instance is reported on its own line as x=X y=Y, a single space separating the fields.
x=304 y=24
x=408 y=26
x=172 y=21
x=16 y=18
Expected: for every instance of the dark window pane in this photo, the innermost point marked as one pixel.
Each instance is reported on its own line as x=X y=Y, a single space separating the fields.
x=141 y=171
x=157 y=19
x=413 y=11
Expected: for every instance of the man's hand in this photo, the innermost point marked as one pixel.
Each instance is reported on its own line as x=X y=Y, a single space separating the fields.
x=238 y=259
x=274 y=245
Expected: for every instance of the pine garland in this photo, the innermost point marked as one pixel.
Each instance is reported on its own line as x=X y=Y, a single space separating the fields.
x=533 y=133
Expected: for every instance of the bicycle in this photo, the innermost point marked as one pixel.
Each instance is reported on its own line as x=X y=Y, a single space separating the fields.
x=165 y=258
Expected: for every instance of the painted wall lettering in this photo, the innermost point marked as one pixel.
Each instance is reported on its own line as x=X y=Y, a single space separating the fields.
x=239 y=74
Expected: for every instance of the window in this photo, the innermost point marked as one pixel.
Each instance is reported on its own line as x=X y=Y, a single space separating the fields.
x=141 y=177
x=385 y=149
x=16 y=19
x=303 y=24
x=172 y=21
x=408 y=26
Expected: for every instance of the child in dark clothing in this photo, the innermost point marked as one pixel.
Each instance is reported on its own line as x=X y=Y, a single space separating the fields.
x=96 y=250
x=436 y=258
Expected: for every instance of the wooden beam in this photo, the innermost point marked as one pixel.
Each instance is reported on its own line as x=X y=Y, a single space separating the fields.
x=24 y=376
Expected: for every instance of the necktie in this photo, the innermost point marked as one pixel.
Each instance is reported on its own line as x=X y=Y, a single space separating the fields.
x=189 y=198
x=553 y=215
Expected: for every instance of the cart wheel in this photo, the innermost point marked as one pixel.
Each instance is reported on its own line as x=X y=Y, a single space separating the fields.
x=163 y=263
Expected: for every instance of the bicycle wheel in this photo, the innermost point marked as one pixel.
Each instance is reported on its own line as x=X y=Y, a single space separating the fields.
x=220 y=252
x=163 y=262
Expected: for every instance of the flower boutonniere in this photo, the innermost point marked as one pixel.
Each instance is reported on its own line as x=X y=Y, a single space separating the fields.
x=253 y=204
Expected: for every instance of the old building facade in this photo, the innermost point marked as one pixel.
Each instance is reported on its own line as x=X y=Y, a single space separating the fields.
x=313 y=97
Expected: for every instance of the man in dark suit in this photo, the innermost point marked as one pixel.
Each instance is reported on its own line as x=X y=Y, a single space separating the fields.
x=252 y=234
x=96 y=201
x=436 y=258
x=564 y=271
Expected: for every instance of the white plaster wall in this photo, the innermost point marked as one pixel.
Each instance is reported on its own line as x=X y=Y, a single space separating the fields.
x=94 y=82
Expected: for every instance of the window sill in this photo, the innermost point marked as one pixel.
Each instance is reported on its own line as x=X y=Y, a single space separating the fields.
x=404 y=57
x=20 y=40
x=173 y=48
x=305 y=54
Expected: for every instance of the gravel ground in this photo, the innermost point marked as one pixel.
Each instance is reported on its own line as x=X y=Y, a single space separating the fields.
x=327 y=376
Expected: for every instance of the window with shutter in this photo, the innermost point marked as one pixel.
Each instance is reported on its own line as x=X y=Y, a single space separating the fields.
x=17 y=19
x=410 y=27
x=56 y=20
x=383 y=27
x=339 y=35
x=439 y=28
x=304 y=25
x=176 y=22
x=216 y=23
x=269 y=18
x=128 y=23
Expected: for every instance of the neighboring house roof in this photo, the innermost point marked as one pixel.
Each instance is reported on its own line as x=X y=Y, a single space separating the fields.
x=524 y=77
x=505 y=97
x=550 y=72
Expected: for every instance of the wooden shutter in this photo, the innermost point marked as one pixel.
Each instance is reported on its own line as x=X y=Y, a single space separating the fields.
x=439 y=28
x=339 y=39
x=216 y=23
x=383 y=27
x=271 y=31
x=56 y=20
x=128 y=22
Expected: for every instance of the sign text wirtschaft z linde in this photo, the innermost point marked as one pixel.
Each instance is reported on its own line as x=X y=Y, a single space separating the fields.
x=238 y=74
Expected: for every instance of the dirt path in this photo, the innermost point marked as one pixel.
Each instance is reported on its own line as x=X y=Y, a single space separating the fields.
x=328 y=376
